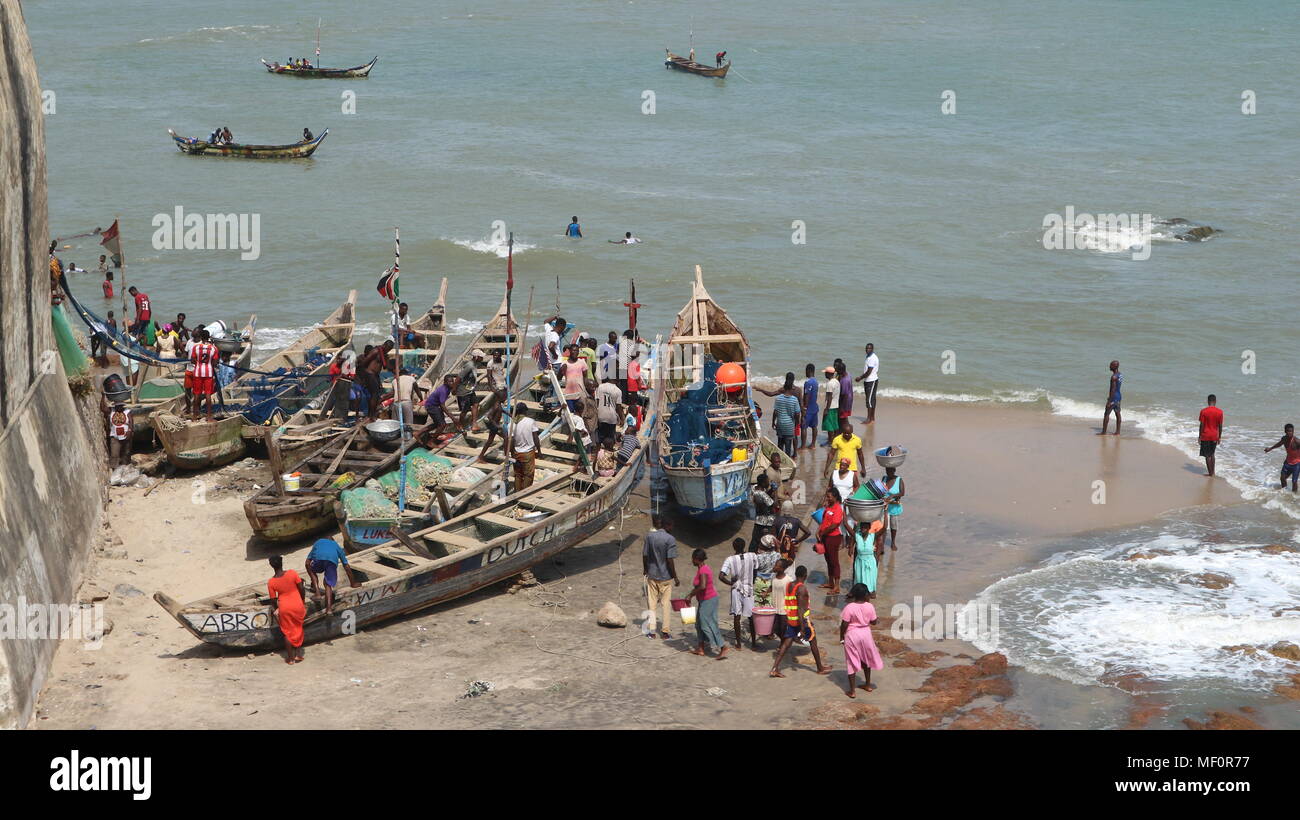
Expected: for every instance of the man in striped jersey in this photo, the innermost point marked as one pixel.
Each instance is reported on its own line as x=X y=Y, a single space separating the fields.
x=204 y=358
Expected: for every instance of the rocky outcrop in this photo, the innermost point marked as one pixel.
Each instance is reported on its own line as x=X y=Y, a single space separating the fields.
x=1209 y=580
x=1223 y=721
x=952 y=687
x=997 y=717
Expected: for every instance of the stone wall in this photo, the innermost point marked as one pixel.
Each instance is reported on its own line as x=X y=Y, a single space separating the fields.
x=50 y=474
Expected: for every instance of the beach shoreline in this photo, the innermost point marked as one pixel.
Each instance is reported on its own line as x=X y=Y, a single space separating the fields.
x=551 y=666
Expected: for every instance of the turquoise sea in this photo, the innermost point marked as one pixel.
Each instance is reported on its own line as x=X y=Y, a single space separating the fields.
x=923 y=229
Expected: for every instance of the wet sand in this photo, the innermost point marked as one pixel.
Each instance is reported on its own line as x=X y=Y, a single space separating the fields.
x=988 y=488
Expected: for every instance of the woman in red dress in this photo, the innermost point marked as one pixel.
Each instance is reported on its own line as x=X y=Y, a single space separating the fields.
x=287 y=596
x=828 y=533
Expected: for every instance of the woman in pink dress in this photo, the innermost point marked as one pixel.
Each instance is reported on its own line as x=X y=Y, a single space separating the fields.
x=860 y=650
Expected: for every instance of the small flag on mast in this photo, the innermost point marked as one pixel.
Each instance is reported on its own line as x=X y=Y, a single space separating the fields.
x=112 y=243
x=388 y=282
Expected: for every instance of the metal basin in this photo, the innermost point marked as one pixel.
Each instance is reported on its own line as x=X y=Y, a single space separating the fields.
x=885 y=460
x=383 y=431
x=864 y=511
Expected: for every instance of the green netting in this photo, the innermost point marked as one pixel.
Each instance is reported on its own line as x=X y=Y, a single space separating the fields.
x=74 y=358
x=364 y=502
x=419 y=462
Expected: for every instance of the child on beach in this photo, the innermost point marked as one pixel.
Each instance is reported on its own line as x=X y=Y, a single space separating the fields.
x=860 y=650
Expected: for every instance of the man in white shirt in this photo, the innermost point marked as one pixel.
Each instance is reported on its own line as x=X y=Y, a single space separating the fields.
x=551 y=342
x=738 y=572
x=405 y=392
x=628 y=239
x=607 y=358
x=525 y=445
x=871 y=377
x=400 y=324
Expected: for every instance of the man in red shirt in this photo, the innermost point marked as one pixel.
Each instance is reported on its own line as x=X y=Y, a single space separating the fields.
x=204 y=358
x=143 y=310
x=1211 y=430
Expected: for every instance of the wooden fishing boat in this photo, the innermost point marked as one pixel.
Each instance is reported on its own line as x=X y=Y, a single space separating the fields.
x=156 y=390
x=347 y=461
x=454 y=488
x=314 y=72
x=300 y=370
x=708 y=439
x=296 y=150
x=462 y=555
x=686 y=64
x=308 y=427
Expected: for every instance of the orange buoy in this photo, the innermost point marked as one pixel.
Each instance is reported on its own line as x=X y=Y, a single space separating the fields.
x=731 y=376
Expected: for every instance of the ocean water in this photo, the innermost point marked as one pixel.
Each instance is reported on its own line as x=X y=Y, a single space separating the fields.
x=923 y=229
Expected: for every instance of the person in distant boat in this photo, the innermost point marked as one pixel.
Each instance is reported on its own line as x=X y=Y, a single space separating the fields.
x=1291 y=467
x=306 y=135
x=1113 y=398
x=718 y=57
x=574 y=231
x=628 y=239
x=439 y=413
x=369 y=368
x=215 y=137
x=324 y=559
x=466 y=382
x=692 y=55
x=1211 y=430
x=226 y=136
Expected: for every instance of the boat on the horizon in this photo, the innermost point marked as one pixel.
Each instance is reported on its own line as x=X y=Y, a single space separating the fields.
x=315 y=72
x=686 y=64
x=708 y=439
x=202 y=148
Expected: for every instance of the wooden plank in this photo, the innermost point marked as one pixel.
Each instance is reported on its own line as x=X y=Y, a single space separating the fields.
x=453 y=540
x=372 y=569
x=709 y=339
x=504 y=521
x=412 y=545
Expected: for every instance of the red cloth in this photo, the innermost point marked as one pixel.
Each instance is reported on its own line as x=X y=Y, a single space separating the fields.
x=290 y=608
x=1212 y=419
x=203 y=385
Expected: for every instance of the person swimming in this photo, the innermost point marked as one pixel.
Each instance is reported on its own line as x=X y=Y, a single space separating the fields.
x=574 y=231
x=628 y=239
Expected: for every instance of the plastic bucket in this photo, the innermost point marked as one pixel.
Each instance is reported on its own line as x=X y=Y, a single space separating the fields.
x=678 y=604
x=764 y=619
x=291 y=482
x=688 y=615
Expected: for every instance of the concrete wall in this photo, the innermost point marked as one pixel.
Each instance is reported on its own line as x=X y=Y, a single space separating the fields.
x=50 y=487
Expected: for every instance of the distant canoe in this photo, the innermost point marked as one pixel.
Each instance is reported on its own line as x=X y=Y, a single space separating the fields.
x=198 y=147
x=685 y=64
x=321 y=73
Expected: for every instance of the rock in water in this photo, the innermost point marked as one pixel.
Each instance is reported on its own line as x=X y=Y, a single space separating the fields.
x=1286 y=649
x=610 y=615
x=1197 y=234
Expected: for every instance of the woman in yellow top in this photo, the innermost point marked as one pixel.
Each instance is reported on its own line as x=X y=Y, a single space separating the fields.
x=847 y=446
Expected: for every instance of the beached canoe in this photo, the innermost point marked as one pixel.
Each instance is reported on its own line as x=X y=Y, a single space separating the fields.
x=198 y=147
x=708 y=440
x=308 y=428
x=160 y=384
x=320 y=73
x=686 y=64
x=461 y=481
x=462 y=555
x=347 y=461
x=300 y=371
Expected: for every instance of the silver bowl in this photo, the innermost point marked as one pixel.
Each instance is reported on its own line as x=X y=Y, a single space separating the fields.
x=384 y=430
x=890 y=461
x=864 y=510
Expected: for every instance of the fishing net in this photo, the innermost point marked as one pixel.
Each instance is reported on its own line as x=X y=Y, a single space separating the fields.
x=366 y=502
x=167 y=422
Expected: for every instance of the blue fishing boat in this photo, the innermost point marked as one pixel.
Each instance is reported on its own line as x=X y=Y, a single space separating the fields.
x=708 y=439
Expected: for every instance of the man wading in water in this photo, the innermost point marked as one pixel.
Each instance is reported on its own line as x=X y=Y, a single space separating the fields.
x=1113 y=398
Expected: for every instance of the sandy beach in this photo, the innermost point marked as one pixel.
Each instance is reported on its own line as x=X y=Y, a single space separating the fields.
x=987 y=489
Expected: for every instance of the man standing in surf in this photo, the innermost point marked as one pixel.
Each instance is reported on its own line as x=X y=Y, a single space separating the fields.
x=1211 y=430
x=1113 y=398
x=1291 y=467
x=871 y=378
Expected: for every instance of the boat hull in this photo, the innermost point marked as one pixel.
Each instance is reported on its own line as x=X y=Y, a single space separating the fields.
x=316 y=515
x=322 y=73
x=715 y=494
x=247 y=629
x=203 y=444
x=201 y=148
